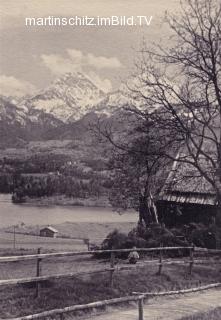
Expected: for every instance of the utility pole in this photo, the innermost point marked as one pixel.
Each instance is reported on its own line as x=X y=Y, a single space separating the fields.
x=14 y=237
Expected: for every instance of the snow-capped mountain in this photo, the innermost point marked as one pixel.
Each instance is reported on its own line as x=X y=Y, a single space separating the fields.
x=11 y=113
x=63 y=109
x=67 y=99
x=113 y=102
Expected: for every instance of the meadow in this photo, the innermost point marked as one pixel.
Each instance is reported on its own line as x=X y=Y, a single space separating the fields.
x=20 y=299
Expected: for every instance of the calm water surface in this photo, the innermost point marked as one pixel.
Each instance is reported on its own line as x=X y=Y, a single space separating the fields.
x=11 y=214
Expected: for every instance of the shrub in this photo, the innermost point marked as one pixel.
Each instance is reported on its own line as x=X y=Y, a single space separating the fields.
x=158 y=235
x=120 y=240
x=198 y=234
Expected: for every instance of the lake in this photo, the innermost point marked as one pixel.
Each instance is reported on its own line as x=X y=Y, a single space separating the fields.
x=12 y=214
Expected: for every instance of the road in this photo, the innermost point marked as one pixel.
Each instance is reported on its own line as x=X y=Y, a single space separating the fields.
x=169 y=308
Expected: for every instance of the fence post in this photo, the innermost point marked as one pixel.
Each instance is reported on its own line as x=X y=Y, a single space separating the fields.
x=61 y=316
x=38 y=273
x=87 y=241
x=160 y=261
x=14 y=239
x=112 y=262
x=140 y=309
x=191 y=260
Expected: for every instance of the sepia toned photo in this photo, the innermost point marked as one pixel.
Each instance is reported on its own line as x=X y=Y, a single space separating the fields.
x=110 y=159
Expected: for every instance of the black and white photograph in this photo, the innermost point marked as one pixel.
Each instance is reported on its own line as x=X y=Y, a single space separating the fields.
x=110 y=159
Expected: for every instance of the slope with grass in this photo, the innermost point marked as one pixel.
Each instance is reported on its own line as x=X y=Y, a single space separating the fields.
x=20 y=300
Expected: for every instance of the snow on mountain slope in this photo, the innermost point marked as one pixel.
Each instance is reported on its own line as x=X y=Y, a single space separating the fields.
x=118 y=100
x=10 y=113
x=67 y=98
x=112 y=103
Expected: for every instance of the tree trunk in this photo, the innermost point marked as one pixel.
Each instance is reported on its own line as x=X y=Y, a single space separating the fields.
x=146 y=212
x=218 y=223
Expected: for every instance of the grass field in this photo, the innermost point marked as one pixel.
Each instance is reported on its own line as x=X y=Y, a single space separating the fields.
x=26 y=236
x=20 y=300
x=34 y=242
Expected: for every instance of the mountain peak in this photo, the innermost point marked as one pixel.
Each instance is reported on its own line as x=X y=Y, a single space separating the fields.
x=76 y=78
x=69 y=76
x=68 y=98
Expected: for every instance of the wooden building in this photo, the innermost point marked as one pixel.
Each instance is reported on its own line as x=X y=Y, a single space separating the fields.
x=186 y=197
x=48 y=232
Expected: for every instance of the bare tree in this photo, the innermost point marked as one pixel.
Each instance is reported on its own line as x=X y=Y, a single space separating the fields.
x=180 y=87
x=137 y=162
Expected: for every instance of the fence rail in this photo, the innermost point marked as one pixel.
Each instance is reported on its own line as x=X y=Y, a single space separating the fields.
x=75 y=253
x=113 y=267
x=80 y=307
x=182 y=291
x=136 y=297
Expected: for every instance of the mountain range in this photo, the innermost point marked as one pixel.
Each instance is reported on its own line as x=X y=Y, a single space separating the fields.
x=65 y=104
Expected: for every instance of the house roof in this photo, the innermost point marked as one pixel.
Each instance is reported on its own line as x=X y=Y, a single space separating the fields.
x=50 y=228
x=184 y=184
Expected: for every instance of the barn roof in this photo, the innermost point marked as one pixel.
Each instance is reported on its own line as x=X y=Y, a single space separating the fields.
x=50 y=228
x=184 y=184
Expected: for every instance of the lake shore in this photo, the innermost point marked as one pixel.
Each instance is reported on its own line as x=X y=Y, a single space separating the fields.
x=70 y=221
x=62 y=200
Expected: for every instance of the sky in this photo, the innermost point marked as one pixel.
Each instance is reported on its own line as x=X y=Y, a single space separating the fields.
x=32 y=57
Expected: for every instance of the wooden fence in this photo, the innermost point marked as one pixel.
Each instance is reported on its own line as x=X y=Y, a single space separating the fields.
x=160 y=262
x=136 y=297
x=112 y=269
x=77 y=253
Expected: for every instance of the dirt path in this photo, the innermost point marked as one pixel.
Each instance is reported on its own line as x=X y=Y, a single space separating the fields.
x=170 y=308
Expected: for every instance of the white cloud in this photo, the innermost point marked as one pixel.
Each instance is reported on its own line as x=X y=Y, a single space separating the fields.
x=11 y=86
x=89 y=64
x=103 y=62
x=77 y=61
x=75 y=55
x=58 y=64
x=97 y=62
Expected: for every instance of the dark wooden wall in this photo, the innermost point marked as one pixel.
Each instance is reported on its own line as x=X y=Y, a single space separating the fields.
x=177 y=214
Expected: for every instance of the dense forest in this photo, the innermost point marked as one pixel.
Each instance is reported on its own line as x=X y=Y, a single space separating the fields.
x=47 y=175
